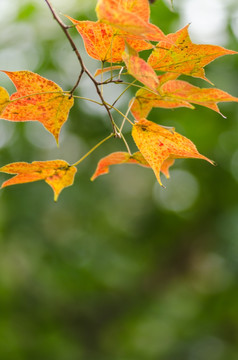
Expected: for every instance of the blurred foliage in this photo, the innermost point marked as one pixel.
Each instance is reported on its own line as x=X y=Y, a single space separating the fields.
x=120 y=268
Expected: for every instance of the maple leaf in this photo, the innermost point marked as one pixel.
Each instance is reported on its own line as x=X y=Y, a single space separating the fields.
x=178 y=54
x=158 y=144
x=107 y=69
x=145 y=100
x=139 y=68
x=141 y=8
x=120 y=157
x=130 y=16
x=182 y=90
x=178 y=93
x=104 y=42
x=57 y=173
x=100 y=40
x=36 y=99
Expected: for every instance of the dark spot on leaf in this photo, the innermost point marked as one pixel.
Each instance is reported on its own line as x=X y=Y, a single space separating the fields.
x=143 y=128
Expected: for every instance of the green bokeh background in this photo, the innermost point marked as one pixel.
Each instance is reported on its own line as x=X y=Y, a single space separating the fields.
x=119 y=268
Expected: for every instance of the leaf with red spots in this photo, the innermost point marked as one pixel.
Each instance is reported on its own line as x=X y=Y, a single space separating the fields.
x=100 y=40
x=158 y=144
x=37 y=99
x=178 y=54
x=140 y=69
x=178 y=93
x=57 y=173
x=129 y=16
x=145 y=100
x=119 y=157
x=177 y=90
x=106 y=43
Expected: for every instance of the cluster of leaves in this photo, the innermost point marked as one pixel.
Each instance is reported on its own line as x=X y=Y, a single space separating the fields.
x=122 y=31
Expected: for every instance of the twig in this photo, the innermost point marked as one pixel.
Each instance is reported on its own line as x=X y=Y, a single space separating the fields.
x=110 y=81
x=83 y=67
x=119 y=112
x=78 y=81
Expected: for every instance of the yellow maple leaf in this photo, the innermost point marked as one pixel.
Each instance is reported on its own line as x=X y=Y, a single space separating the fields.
x=57 y=173
x=36 y=99
x=158 y=144
x=178 y=54
x=178 y=93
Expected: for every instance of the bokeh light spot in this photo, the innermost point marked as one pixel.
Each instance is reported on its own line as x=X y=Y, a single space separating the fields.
x=180 y=194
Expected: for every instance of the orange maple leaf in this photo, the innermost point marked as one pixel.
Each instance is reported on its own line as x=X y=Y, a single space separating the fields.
x=107 y=69
x=57 y=173
x=118 y=158
x=126 y=158
x=178 y=54
x=158 y=144
x=106 y=43
x=182 y=90
x=145 y=100
x=178 y=93
x=129 y=16
x=140 y=69
x=36 y=99
x=100 y=40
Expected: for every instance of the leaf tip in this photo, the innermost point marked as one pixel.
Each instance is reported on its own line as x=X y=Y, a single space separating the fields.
x=224 y=117
x=209 y=160
x=56 y=136
x=56 y=196
x=161 y=184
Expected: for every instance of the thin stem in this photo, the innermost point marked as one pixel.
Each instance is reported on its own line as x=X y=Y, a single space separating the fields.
x=126 y=144
x=102 y=64
x=87 y=99
x=123 y=92
x=120 y=72
x=91 y=150
x=124 y=116
x=140 y=87
x=78 y=81
x=116 y=76
x=124 y=140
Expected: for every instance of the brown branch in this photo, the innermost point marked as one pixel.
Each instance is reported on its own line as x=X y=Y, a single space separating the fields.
x=116 y=81
x=83 y=67
x=78 y=81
